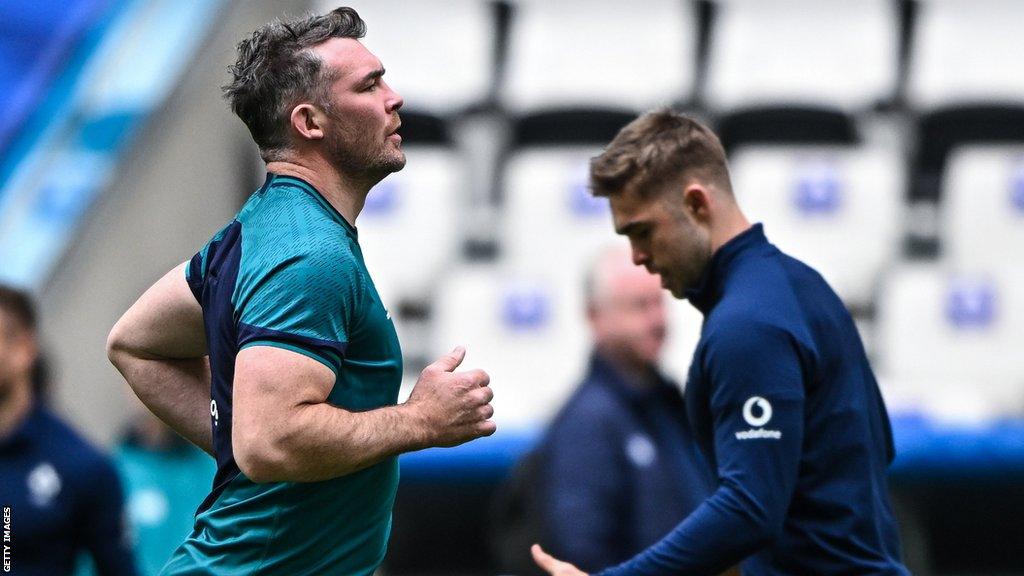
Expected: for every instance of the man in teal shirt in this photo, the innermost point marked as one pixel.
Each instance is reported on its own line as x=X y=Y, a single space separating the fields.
x=271 y=349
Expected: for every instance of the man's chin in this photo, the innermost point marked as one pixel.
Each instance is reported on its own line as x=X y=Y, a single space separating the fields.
x=395 y=162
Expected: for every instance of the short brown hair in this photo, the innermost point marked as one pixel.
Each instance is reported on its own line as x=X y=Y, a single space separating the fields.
x=657 y=148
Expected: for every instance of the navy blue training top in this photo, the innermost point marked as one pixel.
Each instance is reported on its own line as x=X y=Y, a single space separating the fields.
x=60 y=496
x=644 y=472
x=785 y=406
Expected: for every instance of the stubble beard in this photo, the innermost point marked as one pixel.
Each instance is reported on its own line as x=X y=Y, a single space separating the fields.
x=698 y=259
x=352 y=152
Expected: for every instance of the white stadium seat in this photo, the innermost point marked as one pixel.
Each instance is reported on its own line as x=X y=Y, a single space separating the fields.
x=551 y=222
x=438 y=55
x=839 y=209
x=526 y=330
x=949 y=343
x=833 y=52
x=409 y=229
x=963 y=53
x=599 y=53
x=983 y=208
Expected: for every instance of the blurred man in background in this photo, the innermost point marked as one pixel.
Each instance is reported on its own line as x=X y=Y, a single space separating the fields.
x=297 y=397
x=619 y=466
x=59 y=494
x=780 y=394
x=165 y=478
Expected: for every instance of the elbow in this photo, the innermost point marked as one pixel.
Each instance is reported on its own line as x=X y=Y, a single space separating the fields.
x=259 y=458
x=765 y=527
x=763 y=516
x=116 y=344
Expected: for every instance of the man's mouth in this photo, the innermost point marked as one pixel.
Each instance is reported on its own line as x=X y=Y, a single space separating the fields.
x=394 y=135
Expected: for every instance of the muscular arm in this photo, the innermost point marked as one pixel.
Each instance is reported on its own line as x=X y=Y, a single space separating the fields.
x=160 y=348
x=283 y=428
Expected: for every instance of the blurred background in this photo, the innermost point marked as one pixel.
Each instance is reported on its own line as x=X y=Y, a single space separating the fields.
x=881 y=141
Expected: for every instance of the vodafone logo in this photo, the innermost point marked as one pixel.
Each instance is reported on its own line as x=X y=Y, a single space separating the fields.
x=764 y=408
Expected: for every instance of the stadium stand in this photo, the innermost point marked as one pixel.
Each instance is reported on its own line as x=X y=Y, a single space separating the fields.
x=506 y=101
x=122 y=73
x=959 y=53
x=837 y=208
x=982 y=212
x=947 y=340
x=33 y=46
x=840 y=54
x=525 y=328
x=440 y=59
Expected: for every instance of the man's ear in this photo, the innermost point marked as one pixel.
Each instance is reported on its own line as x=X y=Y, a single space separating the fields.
x=697 y=201
x=307 y=121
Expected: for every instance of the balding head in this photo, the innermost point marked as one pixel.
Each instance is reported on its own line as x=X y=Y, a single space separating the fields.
x=625 y=308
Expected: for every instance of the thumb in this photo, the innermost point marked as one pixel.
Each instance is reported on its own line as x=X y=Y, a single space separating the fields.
x=543 y=559
x=450 y=361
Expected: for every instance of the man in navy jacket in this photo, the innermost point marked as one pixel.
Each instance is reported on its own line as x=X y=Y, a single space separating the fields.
x=780 y=395
x=625 y=425
x=59 y=495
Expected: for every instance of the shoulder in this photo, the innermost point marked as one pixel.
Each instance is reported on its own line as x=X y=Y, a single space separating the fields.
x=746 y=335
x=317 y=254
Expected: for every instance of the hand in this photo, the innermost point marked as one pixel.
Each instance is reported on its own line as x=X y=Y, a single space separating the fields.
x=552 y=565
x=455 y=407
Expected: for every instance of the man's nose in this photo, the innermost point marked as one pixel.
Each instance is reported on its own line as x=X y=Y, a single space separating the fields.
x=394 y=101
x=639 y=257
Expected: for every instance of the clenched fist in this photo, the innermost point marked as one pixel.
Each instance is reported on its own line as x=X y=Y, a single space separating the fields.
x=453 y=407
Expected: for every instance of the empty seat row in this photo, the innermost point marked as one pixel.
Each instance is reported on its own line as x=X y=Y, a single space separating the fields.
x=447 y=56
x=946 y=341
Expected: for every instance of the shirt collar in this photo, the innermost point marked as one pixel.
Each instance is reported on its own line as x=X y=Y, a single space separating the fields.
x=709 y=289
x=274 y=179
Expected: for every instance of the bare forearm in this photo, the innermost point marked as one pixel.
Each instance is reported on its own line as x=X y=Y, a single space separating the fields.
x=176 y=391
x=323 y=442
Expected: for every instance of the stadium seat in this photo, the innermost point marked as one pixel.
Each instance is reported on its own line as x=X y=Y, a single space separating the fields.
x=827 y=53
x=551 y=222
x=962 y=51
x=839 y=209
x=439 y=57
x=983 y=211
x=949 y=342
x=526 y=330
x=646 y=57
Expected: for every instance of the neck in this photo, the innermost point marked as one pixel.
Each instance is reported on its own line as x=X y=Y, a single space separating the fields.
x=636 y=373
x=730 y=226
x=15 y=405
x=345 y=193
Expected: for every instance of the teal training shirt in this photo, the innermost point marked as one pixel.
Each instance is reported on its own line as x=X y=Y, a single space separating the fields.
x=288 y=272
